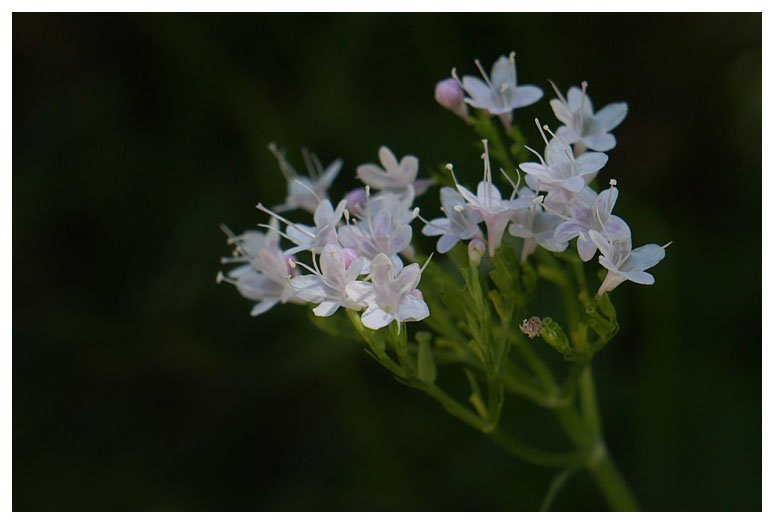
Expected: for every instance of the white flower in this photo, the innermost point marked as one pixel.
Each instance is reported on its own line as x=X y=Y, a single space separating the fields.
x=312 y=238
x=383 y=228
x=460 y=222
x=582 y=124
x=306 y=192
x=394 y=177
x=535 y=226
x=589 y=212
x=625 y=264
x=389 y=297
x=495 y=211
x=560 y=172
x=265 y=276
x=499 y=93
x=326 y=286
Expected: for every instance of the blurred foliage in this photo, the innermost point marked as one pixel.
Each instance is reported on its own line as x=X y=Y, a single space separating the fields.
x=141 y=385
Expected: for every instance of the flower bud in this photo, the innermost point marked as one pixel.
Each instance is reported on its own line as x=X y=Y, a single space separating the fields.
x=476 y=249
x=356 y=199
x=450 y=95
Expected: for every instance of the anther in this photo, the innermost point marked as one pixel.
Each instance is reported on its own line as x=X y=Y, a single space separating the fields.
x=459 y=208
x=512 y=56
x=416 y=212
x=612 y=182
x=504 y=87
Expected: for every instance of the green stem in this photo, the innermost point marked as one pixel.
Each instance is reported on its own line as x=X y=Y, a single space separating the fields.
x=508 y=443
x=588 y=399
x=611 y=483
x=586 y=434
x=533 y=455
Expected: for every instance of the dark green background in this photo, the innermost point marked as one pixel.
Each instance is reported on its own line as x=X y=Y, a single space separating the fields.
x=141 y=385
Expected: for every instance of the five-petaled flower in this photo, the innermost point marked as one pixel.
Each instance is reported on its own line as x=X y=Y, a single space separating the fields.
x=582 y=124
x=499 y=93
x=389 y=297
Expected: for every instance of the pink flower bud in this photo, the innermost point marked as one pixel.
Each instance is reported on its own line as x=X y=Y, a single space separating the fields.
x=349 y=256
x=356 y=199
x=450 y=95
x=476 y=249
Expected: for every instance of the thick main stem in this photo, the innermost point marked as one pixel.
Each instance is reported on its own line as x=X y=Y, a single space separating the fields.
x=611 y=483
x=608 y=478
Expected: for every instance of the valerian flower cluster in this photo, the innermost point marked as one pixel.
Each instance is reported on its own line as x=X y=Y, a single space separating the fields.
x=359 y=251
x=553 y=212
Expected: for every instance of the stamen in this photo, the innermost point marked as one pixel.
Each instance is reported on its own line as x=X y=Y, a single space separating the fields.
x=277 y=230
x=458 y=208
x=318 y=164
x=317 y=198
x=611 y=183
x=486 y=78
x=426 y=262
x=512 y=56
x=308 y=163
x=285 y=167
x=568 y=150
x=583 y=96
x=422 y=218
x=229 y=260
x=504 y=87
x=220 y=278
x=597 y=213
x=452 y=171
x=281 y=219
x=346 y=216
x=534 y=152
x=541 y=131
x=559 y=95
x=539 y=199
x=415 y=212
x=225 y=229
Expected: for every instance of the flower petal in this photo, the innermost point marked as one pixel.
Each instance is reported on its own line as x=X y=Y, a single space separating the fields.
x=264 y=306
x=524 y=96
x=611 y=116
x=375 y=318
x=412 y=308
x=326 y=308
